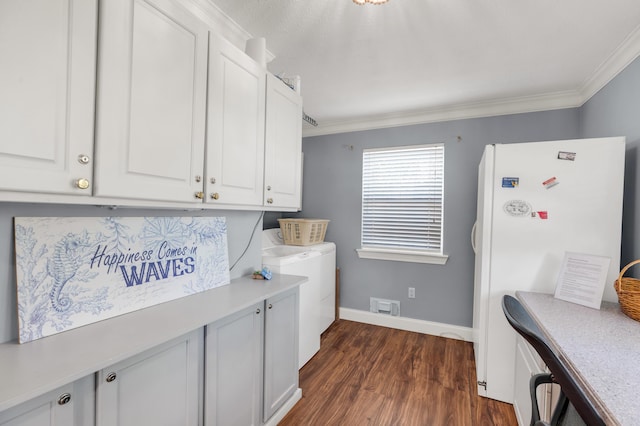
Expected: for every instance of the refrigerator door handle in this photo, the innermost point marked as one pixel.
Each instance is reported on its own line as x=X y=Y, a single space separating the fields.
x=473 y=237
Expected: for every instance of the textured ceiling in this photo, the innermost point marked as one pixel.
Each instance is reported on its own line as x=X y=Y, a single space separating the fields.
x=365 y=63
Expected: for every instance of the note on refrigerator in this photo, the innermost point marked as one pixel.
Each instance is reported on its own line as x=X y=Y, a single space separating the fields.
x=582 y=279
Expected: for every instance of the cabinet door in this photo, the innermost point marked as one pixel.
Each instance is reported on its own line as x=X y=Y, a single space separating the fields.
x=70 y=405
x=162 y=386
x=233 y=368
x=47 y=86
x=280 y=350
x=283 y=146
x=235 y=131
x=526 y=367
x=152 y=71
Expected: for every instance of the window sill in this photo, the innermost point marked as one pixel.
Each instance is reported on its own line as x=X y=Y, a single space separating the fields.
x=402 y=256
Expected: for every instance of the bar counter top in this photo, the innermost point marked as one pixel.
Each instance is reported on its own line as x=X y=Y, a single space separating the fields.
x=601 y=347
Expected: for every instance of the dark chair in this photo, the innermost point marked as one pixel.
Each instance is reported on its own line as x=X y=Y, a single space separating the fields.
x=573 y=406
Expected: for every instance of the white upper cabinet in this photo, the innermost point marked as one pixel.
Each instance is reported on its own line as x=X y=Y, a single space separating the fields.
x=47 y=87
x=283 y=147
x=235 y=129
x=179 y=119
x=151 y=100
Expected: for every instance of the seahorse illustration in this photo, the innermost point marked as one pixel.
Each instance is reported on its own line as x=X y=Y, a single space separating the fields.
x=63 y=265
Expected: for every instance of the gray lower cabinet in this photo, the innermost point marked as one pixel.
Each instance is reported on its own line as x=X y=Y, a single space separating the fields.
x=69 y=405
x=162 y=386
x=233 y=381
x=241 y=369
x=280 y=350
x=251 y=362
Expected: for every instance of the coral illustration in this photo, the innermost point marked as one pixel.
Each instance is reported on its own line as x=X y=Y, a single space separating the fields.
x=47 y=283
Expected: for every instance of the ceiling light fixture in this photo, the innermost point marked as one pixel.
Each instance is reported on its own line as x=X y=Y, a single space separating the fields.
x=363 y=2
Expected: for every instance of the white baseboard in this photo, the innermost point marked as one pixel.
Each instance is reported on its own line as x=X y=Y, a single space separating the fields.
x=282 y=411
x=408 y=324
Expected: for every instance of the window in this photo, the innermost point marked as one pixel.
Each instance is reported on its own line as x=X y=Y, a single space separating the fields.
x=402 y=198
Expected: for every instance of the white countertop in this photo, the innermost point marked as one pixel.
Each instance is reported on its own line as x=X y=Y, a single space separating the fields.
x=602 y=347
x=37 y=367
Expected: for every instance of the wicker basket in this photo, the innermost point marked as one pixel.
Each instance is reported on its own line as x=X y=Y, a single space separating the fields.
x=303 y=232
x=628 y=290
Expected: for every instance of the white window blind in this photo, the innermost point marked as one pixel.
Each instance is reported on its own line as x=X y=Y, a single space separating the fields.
x=402 y=198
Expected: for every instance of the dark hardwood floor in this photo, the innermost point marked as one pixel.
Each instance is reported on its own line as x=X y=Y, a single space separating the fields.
x=370 y=375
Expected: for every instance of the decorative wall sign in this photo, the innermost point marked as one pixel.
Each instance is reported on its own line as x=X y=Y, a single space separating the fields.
x=76 y=271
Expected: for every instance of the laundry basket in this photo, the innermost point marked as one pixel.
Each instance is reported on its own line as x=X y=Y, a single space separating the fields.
x=303 y=232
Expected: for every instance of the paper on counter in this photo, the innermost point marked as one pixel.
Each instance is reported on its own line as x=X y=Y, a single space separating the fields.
x=582 y=279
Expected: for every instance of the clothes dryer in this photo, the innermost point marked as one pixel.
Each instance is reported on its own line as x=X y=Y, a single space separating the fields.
x=317 y=296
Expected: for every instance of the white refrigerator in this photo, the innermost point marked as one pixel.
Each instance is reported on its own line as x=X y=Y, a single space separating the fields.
x=537 y=201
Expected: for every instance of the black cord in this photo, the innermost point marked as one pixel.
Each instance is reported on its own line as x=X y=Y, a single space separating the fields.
x=249 y=243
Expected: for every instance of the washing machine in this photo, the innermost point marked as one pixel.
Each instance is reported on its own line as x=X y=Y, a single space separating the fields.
x=317 y=295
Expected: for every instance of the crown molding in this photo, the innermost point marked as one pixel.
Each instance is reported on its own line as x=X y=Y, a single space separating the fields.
x=626 y=53
x=495 y=107
x=221 y=23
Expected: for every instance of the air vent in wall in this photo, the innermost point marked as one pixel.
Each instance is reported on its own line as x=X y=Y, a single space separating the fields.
x=384 y=306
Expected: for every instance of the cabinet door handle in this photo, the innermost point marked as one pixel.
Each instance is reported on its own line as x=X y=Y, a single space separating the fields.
x=110 y=377
x=199 y=195
x=269 y=200
x=64 y=398
x=83 y=159
x=258 y=311
x=270 y=306
x=215 y=195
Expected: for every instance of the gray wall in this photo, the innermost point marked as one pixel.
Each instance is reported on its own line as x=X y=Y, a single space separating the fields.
x=332 y=190
x=271 y=220
x=615 y=111
x=239 y=229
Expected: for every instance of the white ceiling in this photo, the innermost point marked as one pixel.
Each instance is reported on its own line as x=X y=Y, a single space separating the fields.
x=410 y=61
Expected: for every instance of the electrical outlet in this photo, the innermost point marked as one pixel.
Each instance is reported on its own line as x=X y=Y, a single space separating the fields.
x=412 y=293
